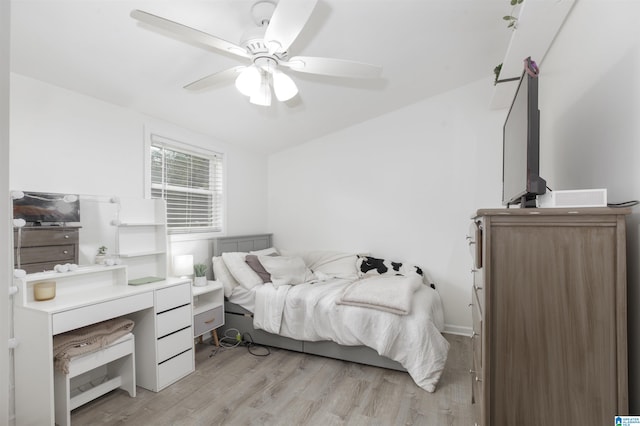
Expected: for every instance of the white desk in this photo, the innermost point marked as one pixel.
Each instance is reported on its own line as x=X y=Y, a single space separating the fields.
x=85 y=296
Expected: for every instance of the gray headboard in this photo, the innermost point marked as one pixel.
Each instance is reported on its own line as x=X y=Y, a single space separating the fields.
x=243 y=243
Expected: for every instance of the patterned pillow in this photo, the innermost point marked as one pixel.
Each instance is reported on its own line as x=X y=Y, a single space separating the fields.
x=368 y=265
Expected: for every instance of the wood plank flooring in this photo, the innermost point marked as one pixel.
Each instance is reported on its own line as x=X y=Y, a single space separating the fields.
x=234 y=387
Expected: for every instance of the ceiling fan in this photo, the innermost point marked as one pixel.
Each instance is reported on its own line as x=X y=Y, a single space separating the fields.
x=266 y=50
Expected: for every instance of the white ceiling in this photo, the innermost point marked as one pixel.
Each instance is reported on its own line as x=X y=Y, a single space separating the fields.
x=94 y=47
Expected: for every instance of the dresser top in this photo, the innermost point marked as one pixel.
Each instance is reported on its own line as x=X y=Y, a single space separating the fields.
x=582 y=211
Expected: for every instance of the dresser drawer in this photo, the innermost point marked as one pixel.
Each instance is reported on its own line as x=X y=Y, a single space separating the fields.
x=170 y=297
x=208 y=320
x=61 y=253
x=45 y=236
x=479 y=289
x=175 y=368
x=91 y=314
x=173 y=320
x=174 y=344
x=478 y=400
x=476 y=338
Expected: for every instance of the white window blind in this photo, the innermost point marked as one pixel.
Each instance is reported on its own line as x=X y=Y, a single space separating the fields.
x=191 y=184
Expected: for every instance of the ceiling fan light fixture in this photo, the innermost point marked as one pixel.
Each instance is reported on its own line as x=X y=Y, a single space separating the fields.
x=262 y=96
x=283 y=86
x=279 y=22
x=249 y=80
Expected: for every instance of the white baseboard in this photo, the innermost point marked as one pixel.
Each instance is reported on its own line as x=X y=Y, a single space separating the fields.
x=457 y=329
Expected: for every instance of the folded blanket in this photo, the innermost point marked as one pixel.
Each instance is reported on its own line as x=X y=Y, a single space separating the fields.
x=382 y=292
x=269 y=304
x=87 y=339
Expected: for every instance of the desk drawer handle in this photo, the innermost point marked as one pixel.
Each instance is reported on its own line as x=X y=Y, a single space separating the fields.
x=66 y=236
x=65 y=251
x=210 y=321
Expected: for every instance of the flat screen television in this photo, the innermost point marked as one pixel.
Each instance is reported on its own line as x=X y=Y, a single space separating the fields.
x=521 y=181
x=47 y=208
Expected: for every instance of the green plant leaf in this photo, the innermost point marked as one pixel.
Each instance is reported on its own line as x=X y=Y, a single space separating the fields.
x=496 y=72
x=514 y=2
x=508 y=18
x=200 y=269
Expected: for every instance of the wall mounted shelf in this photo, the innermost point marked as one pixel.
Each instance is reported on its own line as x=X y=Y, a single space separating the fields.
x=141 y=237
x=538 y=23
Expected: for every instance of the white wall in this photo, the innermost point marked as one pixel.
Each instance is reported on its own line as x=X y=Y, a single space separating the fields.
x=590 y=124
x=62 y=141
x=402 y=186
x=5 y=230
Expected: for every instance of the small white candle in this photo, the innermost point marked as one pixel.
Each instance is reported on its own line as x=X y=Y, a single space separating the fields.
x=44 y=290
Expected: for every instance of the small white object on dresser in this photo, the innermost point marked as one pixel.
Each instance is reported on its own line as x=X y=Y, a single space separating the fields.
x=208 y=309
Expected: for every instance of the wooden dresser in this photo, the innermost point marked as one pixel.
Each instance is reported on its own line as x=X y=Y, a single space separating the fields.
x=43 y=247
x=549 y=307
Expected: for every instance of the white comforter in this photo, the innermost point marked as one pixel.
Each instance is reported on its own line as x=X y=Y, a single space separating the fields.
x=310 y=312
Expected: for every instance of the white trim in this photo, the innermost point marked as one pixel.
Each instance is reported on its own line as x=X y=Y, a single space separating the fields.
x=458 y=329
x=7 y=392
x=195 y=236
x=175 y=136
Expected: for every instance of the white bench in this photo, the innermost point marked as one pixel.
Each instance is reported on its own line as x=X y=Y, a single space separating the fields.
x=113 y=366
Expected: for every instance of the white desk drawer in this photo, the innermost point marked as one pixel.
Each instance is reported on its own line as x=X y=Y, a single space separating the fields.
x=175 y=368
x=173 y=320
x=91 y=314
x=173 y=344
x=208 y=320
x=171 y=297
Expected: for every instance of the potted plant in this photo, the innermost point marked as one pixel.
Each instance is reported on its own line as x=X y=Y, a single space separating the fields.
x=199 y=272
x=101 y=256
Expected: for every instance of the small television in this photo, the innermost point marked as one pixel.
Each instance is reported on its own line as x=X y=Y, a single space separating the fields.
x=521 y=181
x=47 y=208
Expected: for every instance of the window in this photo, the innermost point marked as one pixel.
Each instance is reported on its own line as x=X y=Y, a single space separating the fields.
x=191 y=184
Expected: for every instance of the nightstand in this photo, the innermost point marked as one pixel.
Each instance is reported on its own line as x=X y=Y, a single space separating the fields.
x=208 y=309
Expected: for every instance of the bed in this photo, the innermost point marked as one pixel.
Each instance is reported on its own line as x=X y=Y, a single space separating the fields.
x=341 y=305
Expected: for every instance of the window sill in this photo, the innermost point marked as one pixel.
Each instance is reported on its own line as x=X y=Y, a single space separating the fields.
x=195 y=236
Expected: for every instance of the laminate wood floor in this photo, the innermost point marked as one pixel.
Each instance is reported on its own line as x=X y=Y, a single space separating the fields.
x=234 y=387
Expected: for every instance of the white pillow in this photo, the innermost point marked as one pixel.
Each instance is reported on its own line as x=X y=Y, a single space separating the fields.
x=222 y=274
x=335 y=264
x=270 y=250
x=286 y=270
x=242 y=272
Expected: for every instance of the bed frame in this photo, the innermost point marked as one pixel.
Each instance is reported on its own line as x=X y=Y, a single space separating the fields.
x=236 y=317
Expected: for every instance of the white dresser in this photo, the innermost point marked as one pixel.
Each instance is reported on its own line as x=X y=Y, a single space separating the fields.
x=167 y=357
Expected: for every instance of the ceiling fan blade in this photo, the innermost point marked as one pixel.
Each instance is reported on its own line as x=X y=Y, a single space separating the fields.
x=214 y=79
x=188 y=33
x=333 y=67
x=288 y=19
